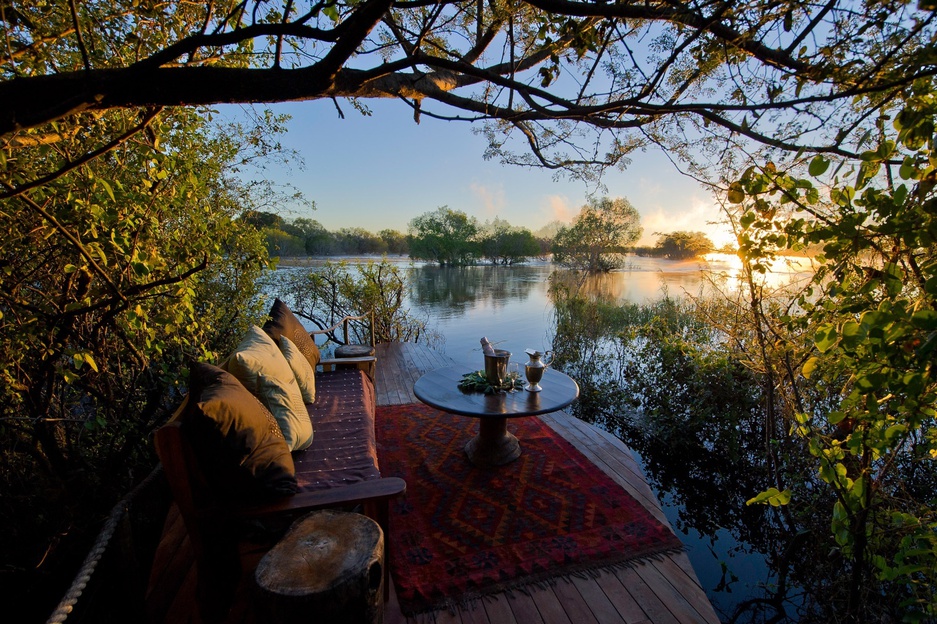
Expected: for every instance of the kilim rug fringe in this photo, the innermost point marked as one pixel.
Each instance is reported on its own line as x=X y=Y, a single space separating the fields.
x=461 y=533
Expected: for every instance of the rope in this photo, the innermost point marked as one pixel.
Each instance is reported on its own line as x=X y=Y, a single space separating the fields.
x=71 y=597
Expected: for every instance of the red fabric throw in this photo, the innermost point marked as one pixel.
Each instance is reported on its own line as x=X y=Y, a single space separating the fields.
x=461 y=532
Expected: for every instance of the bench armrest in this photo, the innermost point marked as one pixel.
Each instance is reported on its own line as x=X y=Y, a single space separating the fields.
x=330 y=363
x=353 y=494
x=367 y=364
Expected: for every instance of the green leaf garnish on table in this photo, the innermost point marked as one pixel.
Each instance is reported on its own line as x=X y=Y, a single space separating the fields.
x=477 y=382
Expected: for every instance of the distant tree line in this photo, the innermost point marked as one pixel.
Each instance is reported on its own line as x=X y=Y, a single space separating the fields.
x=307 y=237
x=604 y=230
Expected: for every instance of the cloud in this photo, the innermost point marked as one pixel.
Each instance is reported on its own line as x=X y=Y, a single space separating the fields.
x=699 y=216
x=492 y=199
x=557 y=208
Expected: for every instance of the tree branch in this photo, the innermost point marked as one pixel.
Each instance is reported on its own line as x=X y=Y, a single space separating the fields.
x=81 y=39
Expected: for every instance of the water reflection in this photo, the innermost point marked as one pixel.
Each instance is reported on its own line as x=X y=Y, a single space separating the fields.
x=456 y=289
x=509 y=305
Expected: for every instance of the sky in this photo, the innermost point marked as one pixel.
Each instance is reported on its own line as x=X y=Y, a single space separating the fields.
x=381 y=171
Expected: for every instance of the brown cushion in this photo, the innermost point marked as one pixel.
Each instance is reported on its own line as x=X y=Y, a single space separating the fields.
x=239 y=445
x=283 y=322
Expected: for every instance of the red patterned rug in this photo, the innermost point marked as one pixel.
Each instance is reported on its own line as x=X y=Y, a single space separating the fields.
x=462 y=532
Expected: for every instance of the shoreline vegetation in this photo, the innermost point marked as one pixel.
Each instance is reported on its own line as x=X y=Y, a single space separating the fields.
x=603 y=231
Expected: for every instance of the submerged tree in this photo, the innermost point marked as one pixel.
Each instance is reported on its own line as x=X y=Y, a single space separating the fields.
x=683 y=245
x=503 y=243
x=444 y=236
x=602 y=231
x=325 y=296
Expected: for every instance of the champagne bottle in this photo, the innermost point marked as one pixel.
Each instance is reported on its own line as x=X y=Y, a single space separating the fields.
x=486 y=347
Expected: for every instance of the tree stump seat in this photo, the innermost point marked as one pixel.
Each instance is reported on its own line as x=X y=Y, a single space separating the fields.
x=357 y=351
x=354 y=350
x=327 y=568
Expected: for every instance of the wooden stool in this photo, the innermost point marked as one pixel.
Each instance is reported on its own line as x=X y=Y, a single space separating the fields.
x=354 y=351
x=328 y=568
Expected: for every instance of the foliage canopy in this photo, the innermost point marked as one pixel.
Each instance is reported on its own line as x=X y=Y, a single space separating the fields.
x=559 y=83
x=114 y=274
x=855 y=363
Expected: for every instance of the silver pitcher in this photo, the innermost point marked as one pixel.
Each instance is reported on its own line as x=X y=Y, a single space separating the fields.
x=534 y=368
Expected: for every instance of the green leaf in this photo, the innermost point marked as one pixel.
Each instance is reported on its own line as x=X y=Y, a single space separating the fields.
x=331 y=11
x=925 y=319
x=901 y=193
x=772 y=497
x=907 y=169
x=825 y=338
x=736 y=194
x=107 y=188
x=818 y=165
x=893 y=433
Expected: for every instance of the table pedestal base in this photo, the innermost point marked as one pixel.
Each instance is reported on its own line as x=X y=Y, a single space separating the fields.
x=494 y=445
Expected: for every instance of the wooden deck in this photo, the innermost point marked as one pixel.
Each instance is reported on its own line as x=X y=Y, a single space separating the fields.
x=661 y=591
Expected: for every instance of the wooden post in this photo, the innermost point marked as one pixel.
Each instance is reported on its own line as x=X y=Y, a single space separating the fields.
x=328 y=568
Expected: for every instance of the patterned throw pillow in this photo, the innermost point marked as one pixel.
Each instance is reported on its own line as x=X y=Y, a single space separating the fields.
x=283 y=322
x=305 y=375
x=259 y=365
x=236 y=439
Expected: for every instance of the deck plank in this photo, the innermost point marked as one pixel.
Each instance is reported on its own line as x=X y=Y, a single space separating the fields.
x=573 y=602
x=676 y=599
x=475 y=614
x=652 y=604
x=549 y=606
x=602 y=608
x=524 y=607
x=499 y=610
x=627 y=607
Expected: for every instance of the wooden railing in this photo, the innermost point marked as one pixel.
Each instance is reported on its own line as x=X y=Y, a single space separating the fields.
x=343 y=323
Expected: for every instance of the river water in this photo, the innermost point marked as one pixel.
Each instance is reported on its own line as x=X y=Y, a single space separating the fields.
x=511 y=306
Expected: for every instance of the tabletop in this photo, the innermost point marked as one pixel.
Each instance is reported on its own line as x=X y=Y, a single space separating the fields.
x=440 y=389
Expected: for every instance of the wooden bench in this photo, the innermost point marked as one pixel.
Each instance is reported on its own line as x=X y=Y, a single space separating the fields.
x=339 y=470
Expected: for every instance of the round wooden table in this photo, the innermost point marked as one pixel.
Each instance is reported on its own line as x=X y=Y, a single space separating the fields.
x=494 y=445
